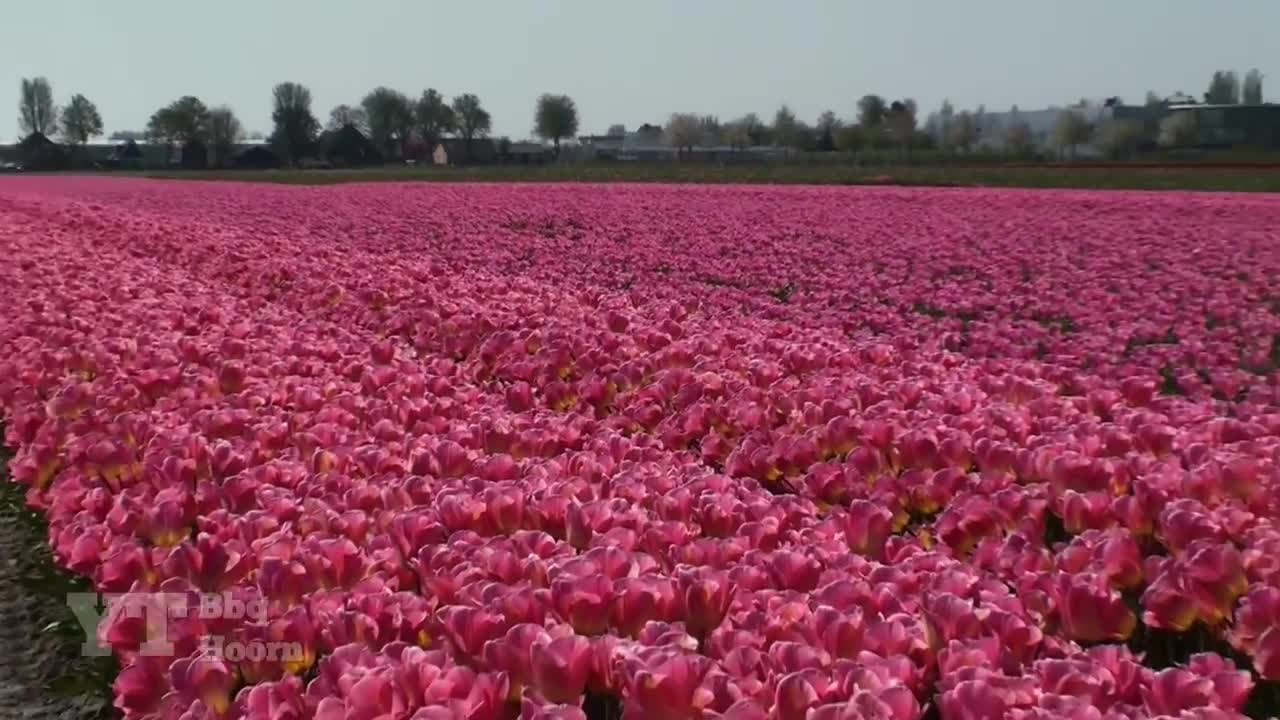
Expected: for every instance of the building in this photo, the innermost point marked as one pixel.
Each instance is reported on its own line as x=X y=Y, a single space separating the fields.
x=1225 y=126
x=524 y=153
x=454 y=151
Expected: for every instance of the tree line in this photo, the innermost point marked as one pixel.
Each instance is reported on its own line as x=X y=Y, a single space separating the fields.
x=396 y=125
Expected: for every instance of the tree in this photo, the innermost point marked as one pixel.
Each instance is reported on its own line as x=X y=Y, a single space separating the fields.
x=851 y=138
x=735 y=134
x=1253 y=87
x=1153 y=99
x=36 y=112
x=828 y=126
x=1018 y=140
x=683 y=131
x=963 y=132
x=555 y=118
x=472 y=119
x=786 y=131
x=1071 y=130
x=224 y=132
x=127 y=135
x=712 y=129
x=872 y=110
x=434 y=118
x=343 y=115
x=617 y=130
x=901 y=122
x=1224 y=89
x=755 y=129
x=1178 y=129
x=182 y=121
x=946 y=114
x=295 y=125
x=390 y=116
x=1119 y=138
x=80 y=120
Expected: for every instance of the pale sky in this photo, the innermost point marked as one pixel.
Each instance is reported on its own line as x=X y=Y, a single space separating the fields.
x=627 y=62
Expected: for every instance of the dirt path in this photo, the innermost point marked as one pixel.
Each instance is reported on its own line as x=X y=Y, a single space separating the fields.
x=42 y=673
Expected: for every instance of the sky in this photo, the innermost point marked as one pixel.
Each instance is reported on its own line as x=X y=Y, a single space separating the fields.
x=628 y=62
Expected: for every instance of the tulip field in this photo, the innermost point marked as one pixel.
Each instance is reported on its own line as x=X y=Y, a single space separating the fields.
x=566 y=452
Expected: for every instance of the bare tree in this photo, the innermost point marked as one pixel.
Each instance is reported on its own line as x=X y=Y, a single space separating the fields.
x=343 y=115
x=36 y=112
x=1070 y=131
x=224 y=132
x=80 y=120
x=963 y=131
x=1119 y=138
x=683 y=131
x=1178 y=129
x=735 y=134
x=472 y=119
x=555 y=118
x=1018 y=140
x=434 y=116
x=786 y=130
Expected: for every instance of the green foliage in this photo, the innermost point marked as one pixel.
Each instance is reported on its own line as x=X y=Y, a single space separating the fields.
x=872 y=111
x=555 y=118
x=295 y=125
x=391 y=118
x=181 y=121
x=471 y=119
x=80 y=120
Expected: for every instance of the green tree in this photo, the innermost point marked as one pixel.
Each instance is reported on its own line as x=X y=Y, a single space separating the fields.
x=182 y=121
x=1253 y=87
x=872 y=111
x=36 y=112
x=555 y=118
x=435 y=118
x=472 y=119
x=295 y=125
x=80 y=120
x=390 y=115
x=224 y=132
